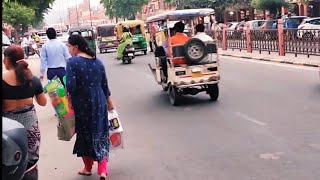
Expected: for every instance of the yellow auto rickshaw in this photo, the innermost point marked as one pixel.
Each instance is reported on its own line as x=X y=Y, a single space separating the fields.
x=137 y=29
x=87 y=32
x=106 y=37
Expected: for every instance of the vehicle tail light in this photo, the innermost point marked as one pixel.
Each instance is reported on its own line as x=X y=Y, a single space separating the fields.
x=301 y=27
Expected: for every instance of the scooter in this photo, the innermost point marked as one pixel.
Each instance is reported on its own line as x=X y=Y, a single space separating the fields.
x=34 y=48
x=128 y=54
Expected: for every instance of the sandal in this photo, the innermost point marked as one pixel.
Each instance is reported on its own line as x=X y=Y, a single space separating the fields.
x=84 y=172
x=103 y=176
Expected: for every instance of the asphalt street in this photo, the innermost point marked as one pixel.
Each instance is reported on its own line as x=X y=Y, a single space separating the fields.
x=265 y=126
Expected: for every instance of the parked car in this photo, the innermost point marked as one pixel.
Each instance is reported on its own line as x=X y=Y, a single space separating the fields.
x=5 y=42
x=63 y=37
x=268 y=24
x=296 y=21
x=309 y=28
x=270 y=27
x=43 y=37
x=255 y=24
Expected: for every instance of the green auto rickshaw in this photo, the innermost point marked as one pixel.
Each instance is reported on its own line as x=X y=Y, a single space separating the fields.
x=138 y=32
x=87 y=32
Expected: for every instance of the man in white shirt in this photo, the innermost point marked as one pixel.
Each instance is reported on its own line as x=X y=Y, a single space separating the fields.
x=200 y=28
x=25 y=45
x=201 y=34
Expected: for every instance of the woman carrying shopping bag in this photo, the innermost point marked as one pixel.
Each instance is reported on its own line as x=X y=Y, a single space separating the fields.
x=90 y=97
x=20 y=91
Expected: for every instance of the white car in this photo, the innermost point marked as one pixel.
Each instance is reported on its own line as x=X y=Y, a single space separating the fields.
x=5 y=42
x=43 y=37
x=309 y=28
x=63 y=37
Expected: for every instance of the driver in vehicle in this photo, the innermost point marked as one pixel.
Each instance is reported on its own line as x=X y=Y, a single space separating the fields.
x=124 y=41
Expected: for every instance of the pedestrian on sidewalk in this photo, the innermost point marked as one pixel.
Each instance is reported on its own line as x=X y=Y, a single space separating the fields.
x=19 y=87
x=90 y=96
x=54 y=55
x=25 y=45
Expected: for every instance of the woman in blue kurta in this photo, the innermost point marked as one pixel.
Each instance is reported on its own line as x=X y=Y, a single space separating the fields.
x=90 y=97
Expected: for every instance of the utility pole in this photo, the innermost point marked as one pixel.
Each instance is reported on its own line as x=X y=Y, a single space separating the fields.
x=90 y=12
x=77 y=13
x=69 y=14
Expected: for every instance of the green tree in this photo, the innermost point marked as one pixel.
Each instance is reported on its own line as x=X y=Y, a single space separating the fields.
x=273 y=6
x=215 y=4
x=17 y=15
x=126 y=9
x=40 y=7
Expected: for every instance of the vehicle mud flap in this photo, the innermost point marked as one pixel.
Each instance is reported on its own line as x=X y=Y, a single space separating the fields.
x=153 y=71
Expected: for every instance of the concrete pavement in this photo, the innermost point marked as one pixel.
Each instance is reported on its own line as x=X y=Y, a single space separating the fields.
x=304 y=60
x=265 y=126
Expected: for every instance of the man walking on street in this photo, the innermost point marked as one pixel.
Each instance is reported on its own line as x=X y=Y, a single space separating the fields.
x=25 y=45
x=54 y=56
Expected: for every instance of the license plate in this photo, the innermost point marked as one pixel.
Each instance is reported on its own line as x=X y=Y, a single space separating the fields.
x=196 y=74
x=130 y=54
x=196 y=69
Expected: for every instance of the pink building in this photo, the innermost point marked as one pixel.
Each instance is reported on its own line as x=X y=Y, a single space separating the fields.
x=154 y=7
x=97 y=15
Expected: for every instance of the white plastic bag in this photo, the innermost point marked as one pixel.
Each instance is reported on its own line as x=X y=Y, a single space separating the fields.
x=115 y=130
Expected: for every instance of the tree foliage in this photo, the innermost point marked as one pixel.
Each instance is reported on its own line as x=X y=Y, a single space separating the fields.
x=214 y=4
x=126 y=9
x=271 y=5
x=40 y=7
x=16 y=14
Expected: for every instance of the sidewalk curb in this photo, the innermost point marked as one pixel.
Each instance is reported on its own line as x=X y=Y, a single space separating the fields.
x=271 y=60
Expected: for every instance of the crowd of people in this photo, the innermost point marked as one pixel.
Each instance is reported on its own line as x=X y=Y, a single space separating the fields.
x=86 y=83
x=90 y=98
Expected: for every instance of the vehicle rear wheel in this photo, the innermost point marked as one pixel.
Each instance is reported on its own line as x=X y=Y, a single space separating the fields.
x=145 y=52
x=213 y=91
x=100 y=51
x=129 y=61
x=174 y=95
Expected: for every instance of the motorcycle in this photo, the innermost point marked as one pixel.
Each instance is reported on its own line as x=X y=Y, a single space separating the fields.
x=34 y=47
x=128 y=54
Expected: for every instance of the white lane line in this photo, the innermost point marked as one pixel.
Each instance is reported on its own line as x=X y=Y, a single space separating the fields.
x=272 y=63
x=247 y=118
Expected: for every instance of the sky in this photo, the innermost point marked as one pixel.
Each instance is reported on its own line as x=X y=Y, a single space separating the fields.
x=59 y=10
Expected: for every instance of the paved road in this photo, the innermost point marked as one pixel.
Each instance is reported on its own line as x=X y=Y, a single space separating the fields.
x=265 y=126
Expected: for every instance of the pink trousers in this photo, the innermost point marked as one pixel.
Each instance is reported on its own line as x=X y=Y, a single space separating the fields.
x=102 y=165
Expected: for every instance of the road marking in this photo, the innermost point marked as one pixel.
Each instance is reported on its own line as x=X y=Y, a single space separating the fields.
x=269 y=156
x=273 y=64
x=245 y=117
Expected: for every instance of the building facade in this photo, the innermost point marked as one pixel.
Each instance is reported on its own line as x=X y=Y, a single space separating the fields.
x=154 y=7
x=82 y=14
x=311 y=8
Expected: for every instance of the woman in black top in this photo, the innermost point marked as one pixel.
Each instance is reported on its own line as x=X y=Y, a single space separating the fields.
x=19 y=87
